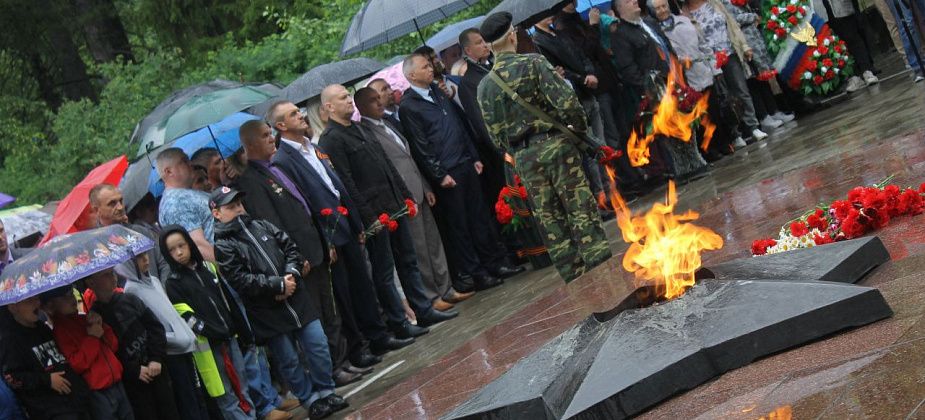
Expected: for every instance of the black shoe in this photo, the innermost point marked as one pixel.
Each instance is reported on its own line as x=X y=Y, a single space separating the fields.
x=336 y=402
x=364 y=361
x=320 y=409
x=343 y=378
x=464 y=283
x=506 y=271
x=436 y=317
x=487 y=282
x=409 y=330
x=385 y=345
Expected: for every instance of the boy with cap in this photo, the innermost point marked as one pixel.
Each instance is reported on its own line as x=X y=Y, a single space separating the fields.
x=264 y=266
x=90 y=347
x=32 y=366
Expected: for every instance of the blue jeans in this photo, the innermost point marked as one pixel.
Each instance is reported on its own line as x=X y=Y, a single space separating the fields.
x=111 y=403
x=259 y=384
x=904 y=14
x=228 y=402
x=318 y=382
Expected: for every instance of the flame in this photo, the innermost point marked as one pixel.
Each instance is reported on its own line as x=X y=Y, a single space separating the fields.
x=780 y=413
x=664 y=247
x=668 y=121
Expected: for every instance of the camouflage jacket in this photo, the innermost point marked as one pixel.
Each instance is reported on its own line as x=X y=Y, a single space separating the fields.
x=535 y=80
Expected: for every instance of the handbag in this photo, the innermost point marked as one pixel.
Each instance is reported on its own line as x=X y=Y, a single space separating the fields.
x=585 y=142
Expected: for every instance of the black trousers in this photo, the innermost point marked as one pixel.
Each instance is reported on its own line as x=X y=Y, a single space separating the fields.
x=762 y=98
x=476 y=250
x=153 y=400
x=850 y=29
x=350 y=273
x=394 y=251
x=187 y=388
x=344 y=338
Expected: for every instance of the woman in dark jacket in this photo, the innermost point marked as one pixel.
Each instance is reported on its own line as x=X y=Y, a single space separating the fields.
x=213 y=314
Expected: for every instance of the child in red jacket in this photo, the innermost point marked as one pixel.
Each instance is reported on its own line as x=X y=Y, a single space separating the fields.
x=89 y=346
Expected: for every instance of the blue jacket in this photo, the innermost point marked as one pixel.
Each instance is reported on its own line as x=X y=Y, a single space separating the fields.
x=440 y=135
x=317 y=193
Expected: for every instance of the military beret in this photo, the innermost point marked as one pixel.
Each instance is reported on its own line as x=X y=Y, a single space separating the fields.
x=496 y=26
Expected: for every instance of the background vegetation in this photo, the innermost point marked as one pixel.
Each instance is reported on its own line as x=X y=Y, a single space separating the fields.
x=77 y=75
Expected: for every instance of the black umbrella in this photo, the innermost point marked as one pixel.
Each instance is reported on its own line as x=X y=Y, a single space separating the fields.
x=528 y=12
x=381 y=21
x=347 y=72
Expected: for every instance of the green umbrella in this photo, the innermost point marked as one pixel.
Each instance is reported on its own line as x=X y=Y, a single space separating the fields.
x=210 y=108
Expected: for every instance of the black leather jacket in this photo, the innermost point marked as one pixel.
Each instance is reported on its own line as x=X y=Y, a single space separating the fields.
x=141 y=335
x=254 y=256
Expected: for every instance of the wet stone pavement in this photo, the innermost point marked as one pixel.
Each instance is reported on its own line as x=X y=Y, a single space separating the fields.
x=877 y=371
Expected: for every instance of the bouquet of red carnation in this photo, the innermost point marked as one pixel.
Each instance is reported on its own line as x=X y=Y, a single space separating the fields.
x=505 y=212
x=865 y=210
x=390 y=221
x=722 y=57
x=607 y=154
x=687 y=98
x=332 y=217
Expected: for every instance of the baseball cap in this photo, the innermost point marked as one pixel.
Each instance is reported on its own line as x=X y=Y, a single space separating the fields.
x=223 y=196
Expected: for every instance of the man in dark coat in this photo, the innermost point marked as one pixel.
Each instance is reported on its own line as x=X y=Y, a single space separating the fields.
x=264 y=266
x=312 y=172
x=274 y=197
x=376 y=188
x=441 y=140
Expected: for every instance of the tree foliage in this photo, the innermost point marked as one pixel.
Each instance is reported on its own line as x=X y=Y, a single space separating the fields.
x=175 y=43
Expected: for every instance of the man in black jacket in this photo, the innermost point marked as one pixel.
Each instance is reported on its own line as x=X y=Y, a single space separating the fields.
x=377 y=188
x=142 y=347
x=441 y=141
x=272 y=196
x=34 y=368
x=264 y=266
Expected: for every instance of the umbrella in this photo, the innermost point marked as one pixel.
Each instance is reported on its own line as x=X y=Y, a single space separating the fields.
x=209 y=108
x=528 y=12
x=584 y=6
x=347 y=72
x=6 y=200
x=68 y=258
x=225 y=139
x=24 y=221
x=449 y=36
x=76 y=205
x=381 y=21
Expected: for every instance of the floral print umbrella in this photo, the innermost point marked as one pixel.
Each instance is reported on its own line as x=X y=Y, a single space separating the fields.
x=68 y=258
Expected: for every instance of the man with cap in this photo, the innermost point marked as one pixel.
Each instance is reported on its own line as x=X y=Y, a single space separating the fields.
x=548 y=161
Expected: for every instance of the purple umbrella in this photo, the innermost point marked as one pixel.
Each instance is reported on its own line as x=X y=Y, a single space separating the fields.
x=6 y=200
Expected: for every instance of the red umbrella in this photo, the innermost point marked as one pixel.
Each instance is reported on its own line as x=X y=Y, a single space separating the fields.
x=73 y=211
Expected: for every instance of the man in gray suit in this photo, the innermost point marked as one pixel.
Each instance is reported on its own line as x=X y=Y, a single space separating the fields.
x=425 y=236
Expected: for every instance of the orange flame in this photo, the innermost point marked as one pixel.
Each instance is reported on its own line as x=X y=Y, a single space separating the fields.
x=779 y=413
x=669 y=121
x=664 y=248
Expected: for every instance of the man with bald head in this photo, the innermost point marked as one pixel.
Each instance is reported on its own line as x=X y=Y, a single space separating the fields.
x=311 y=170
x=377 y=188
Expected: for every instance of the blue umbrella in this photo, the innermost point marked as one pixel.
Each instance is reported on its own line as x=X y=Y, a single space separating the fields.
x=68 y=258
x=584 y=6
x=226 y=140
x=449 y=36
x=6 y=199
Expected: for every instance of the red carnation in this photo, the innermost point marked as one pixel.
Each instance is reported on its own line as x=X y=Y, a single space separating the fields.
x=829 y=75
x=775 y=10
x=922 y=188
x=503 y=212
x=838 y=48
x=827 y=62
x=802 y=10
x=772 y=25
x=816 y=222
x=608 y=154
x=812 y=65
x=791 y=8
x=842 y=208
x=393 y=225
x=327 y=212
x=793 y=20
x=817 y=80
x=780 y=32
x=342 y=210
x=412 y=208
x=384 y=219
x=823 y=50
x=841 y=63
x=760 y=247
x=822 y=239
x=523 y=191
x=911 y=203
x=721 y=59
x=798 y=229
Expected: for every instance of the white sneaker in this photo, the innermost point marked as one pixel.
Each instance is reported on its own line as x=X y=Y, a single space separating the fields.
x=769 y=123
x=870 y=78
x=740 y=143
x=918 y=78
x=854 y=83
x=759 y=135
x=782 y=117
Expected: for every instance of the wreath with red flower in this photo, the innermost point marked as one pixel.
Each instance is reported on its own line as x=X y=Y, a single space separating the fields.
x=829 y=64
x=780 y=17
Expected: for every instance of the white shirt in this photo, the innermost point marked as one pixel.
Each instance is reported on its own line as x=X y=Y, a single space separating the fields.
x=309 y=153
x=388 y=129
x=425 y=93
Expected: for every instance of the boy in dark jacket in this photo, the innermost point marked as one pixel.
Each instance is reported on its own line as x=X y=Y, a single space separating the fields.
x=89 y=345
x=214 y=315
x=264 y=266
x=35 y=369
x=142 y=347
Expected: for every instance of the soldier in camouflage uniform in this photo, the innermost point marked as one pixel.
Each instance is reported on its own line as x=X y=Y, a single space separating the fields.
x=549 y=163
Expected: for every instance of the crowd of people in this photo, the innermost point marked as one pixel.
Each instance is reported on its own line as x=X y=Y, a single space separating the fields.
x=288 y=269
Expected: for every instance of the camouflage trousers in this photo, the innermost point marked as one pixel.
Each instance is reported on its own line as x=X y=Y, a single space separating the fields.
x=563 y=205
